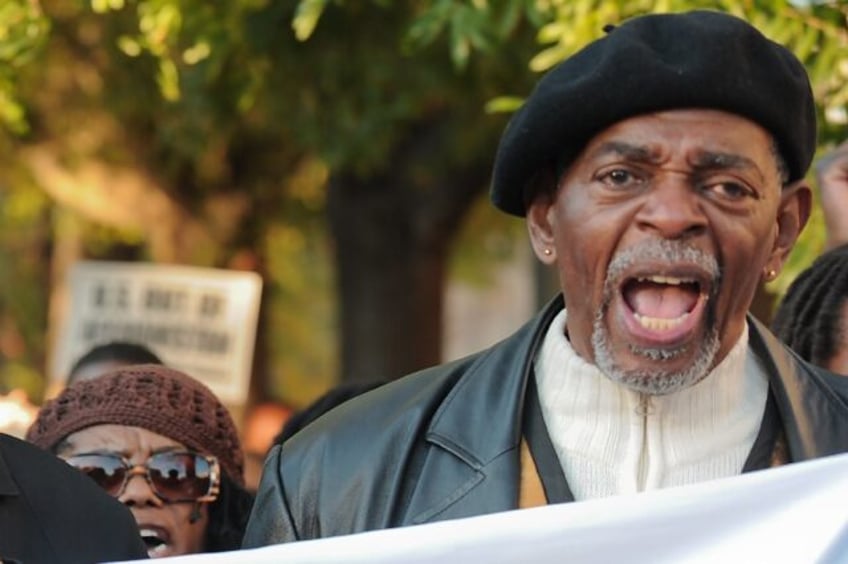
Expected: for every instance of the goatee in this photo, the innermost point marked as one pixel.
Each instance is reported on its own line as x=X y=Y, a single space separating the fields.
x=656 y=381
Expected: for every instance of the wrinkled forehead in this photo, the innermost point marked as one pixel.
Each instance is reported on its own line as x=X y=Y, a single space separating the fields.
x=700 y=138
x=127 y=440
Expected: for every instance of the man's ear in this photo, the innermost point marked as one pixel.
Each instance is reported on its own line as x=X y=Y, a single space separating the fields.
x=540 y=226
x=792 y=215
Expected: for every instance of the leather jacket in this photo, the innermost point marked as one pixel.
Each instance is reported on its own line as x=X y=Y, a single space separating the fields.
x=51 y=512
x=444 y=443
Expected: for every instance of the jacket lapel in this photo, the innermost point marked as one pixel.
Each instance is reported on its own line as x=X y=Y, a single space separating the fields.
x=477 y=430
x=813 y=415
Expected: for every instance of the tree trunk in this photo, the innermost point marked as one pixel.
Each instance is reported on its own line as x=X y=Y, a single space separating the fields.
x=392 y=233
x=390 y=287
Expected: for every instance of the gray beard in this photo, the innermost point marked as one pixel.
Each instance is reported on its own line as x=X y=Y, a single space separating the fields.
x=655 y=381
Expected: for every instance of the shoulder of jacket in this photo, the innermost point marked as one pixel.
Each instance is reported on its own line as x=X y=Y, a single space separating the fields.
x=400 y=411
x=795 y=372
x=837 y=383
x=397 y=407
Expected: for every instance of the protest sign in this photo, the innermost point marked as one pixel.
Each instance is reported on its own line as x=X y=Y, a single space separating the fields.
x=198 y=320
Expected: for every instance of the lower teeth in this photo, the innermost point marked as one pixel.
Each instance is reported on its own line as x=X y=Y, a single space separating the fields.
x=659 y=323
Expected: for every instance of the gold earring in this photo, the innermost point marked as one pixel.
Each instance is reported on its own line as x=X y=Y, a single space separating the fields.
x=771 y=274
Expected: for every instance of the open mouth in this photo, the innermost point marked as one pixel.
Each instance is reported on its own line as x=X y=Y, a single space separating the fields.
x=156 y=541
x=663 y=308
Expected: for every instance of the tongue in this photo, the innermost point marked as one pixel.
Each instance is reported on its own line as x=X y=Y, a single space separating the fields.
x=660 y=300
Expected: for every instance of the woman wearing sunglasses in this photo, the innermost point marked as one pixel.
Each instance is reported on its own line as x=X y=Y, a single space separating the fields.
x=164 y=445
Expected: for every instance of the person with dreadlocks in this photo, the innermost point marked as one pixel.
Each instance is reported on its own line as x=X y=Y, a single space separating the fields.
x=812 y=318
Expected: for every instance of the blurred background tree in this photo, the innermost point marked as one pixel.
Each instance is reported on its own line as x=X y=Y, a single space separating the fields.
x=335 y=147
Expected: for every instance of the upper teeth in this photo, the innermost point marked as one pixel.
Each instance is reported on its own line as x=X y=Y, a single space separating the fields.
x=151 y=536
x=659 y=279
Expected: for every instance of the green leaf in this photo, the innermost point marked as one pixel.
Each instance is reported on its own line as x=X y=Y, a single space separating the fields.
x=129 y=45
x=197 y=52
x=504 y=104
x=168 y=79
x=306 y=18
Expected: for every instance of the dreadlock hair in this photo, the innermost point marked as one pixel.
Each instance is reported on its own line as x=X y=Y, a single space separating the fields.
x=809 y=318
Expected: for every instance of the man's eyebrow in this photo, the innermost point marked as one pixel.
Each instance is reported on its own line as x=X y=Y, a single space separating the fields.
x=703 y=160
x=629 y=151
x=719 y=160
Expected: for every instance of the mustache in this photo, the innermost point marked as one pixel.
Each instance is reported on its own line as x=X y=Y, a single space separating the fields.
x=661 y=251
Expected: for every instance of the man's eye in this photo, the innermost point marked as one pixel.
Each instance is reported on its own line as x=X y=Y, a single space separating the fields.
x=618 y=177
x=731 y=190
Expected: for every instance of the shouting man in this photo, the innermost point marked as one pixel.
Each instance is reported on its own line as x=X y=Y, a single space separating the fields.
x=661 y=173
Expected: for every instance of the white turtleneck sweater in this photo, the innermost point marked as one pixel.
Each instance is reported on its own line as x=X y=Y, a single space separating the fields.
x=606 y=443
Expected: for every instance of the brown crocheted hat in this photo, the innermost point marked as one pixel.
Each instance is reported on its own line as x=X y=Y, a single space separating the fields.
x=150 y=396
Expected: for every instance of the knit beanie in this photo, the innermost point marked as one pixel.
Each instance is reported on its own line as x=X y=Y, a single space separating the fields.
x=153 y=397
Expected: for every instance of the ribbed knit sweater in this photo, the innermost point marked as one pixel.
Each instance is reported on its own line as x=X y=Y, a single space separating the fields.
x=608 y=444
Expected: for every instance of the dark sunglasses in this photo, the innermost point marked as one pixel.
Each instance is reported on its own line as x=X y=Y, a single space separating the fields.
x=173 y=476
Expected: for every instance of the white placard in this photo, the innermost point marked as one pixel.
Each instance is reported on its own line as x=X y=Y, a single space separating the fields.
x=795 y=513
x=198 y=320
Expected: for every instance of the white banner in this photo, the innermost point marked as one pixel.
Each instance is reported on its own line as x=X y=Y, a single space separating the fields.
x=199 y=320
x=796 y=513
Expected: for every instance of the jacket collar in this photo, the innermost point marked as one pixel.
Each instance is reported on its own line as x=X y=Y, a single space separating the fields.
x=479 y=422
x=813 y=414
x=491 y=394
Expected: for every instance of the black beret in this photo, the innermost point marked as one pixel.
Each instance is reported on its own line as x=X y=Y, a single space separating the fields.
x=698 y=59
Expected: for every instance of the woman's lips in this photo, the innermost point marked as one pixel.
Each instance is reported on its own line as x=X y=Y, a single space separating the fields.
x=156 y=539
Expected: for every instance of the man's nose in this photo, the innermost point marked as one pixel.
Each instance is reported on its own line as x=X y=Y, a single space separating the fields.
x=138 y=492
x=672 y=208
